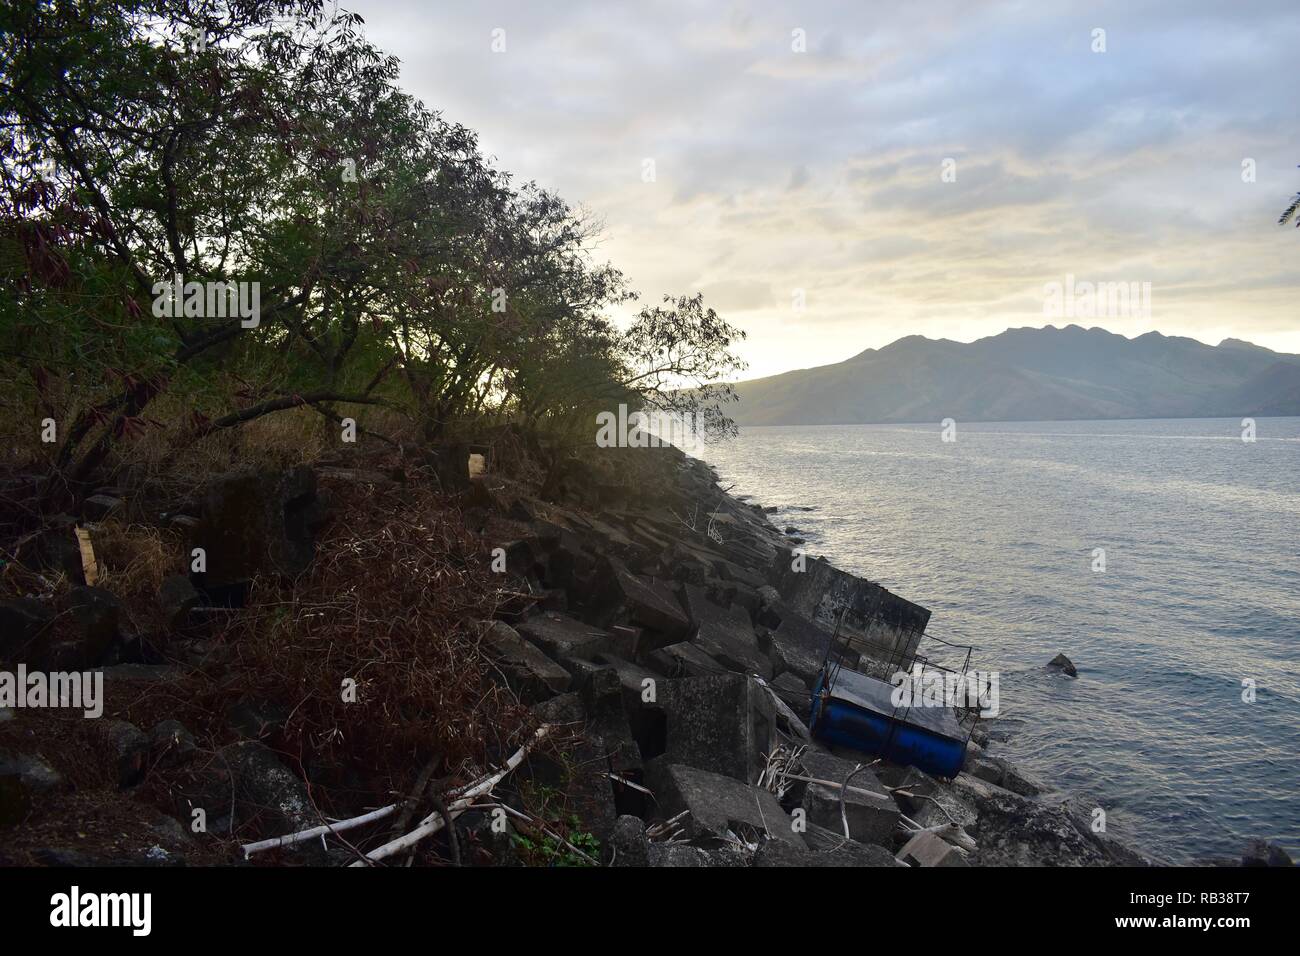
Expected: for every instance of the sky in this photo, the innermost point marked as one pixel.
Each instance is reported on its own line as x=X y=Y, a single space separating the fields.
x=834 y=176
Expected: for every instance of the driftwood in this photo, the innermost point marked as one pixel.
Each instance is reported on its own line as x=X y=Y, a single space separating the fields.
x=320 y=831
x=460 y=800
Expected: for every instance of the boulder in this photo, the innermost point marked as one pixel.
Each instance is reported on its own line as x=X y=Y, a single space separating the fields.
x=798 y=646
x=529 y=673
x=264 y=791
x=171 y=744
x=628 y=845
x=1265 y=853
x=718 y=804
x=1063 y=664
x=126 y=747
x=676 y=854
x=25 y=779
x=582 y=774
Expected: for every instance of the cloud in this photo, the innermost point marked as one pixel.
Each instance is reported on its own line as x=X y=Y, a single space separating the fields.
x=820 y=170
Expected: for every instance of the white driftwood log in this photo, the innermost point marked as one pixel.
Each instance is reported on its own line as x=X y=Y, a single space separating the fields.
x=337 y=827
x=464 y=797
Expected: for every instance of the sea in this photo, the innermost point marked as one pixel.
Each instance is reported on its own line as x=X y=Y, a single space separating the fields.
x=1161 y=556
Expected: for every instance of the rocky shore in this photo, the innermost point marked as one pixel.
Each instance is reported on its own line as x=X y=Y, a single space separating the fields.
x=664 y=633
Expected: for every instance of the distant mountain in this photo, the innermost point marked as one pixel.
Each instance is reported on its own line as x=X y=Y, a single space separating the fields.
x=1031 y=375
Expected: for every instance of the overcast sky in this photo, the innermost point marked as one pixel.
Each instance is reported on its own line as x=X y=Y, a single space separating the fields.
x=777 y=171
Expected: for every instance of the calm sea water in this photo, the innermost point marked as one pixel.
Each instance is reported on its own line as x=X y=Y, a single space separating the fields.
x=996 y=532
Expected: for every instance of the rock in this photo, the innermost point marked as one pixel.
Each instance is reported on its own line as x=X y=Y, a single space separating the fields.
x=177 y=597
x=628 y=845
x=530 y=674
x=561 y=636
x=676 y=854
x=265 y=792
x=24 y=780
x=1265 y=853
x=258 y=521
x=1063 y=664
x=998 y=771
x=824 y=849
x=726 y=635
x=171 y=744
x=126 y=747
x=927 y=849
x=718 y=804
x=23 y=622
x=1012 y=830
x=97 y=614
x=870 y=820
x=723 y=723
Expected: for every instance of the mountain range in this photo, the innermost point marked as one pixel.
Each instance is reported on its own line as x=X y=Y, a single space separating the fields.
x=1030 y=374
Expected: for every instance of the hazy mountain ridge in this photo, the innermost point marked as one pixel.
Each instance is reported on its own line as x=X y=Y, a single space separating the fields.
x=1029 y=374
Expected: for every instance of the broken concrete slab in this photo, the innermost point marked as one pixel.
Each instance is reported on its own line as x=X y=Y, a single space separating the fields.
x=928 y=849
x=650 y=603
x=723 y=723
x=888 y=625
x=683 y=660
x=528 y=672
x=561 y=636
x=725 y=634
x=873 y=816
x=718 y=804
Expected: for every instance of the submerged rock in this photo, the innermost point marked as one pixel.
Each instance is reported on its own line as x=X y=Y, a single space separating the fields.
x=1063 y=664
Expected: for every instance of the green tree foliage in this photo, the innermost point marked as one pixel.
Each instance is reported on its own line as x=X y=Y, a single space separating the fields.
x=265 y=141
